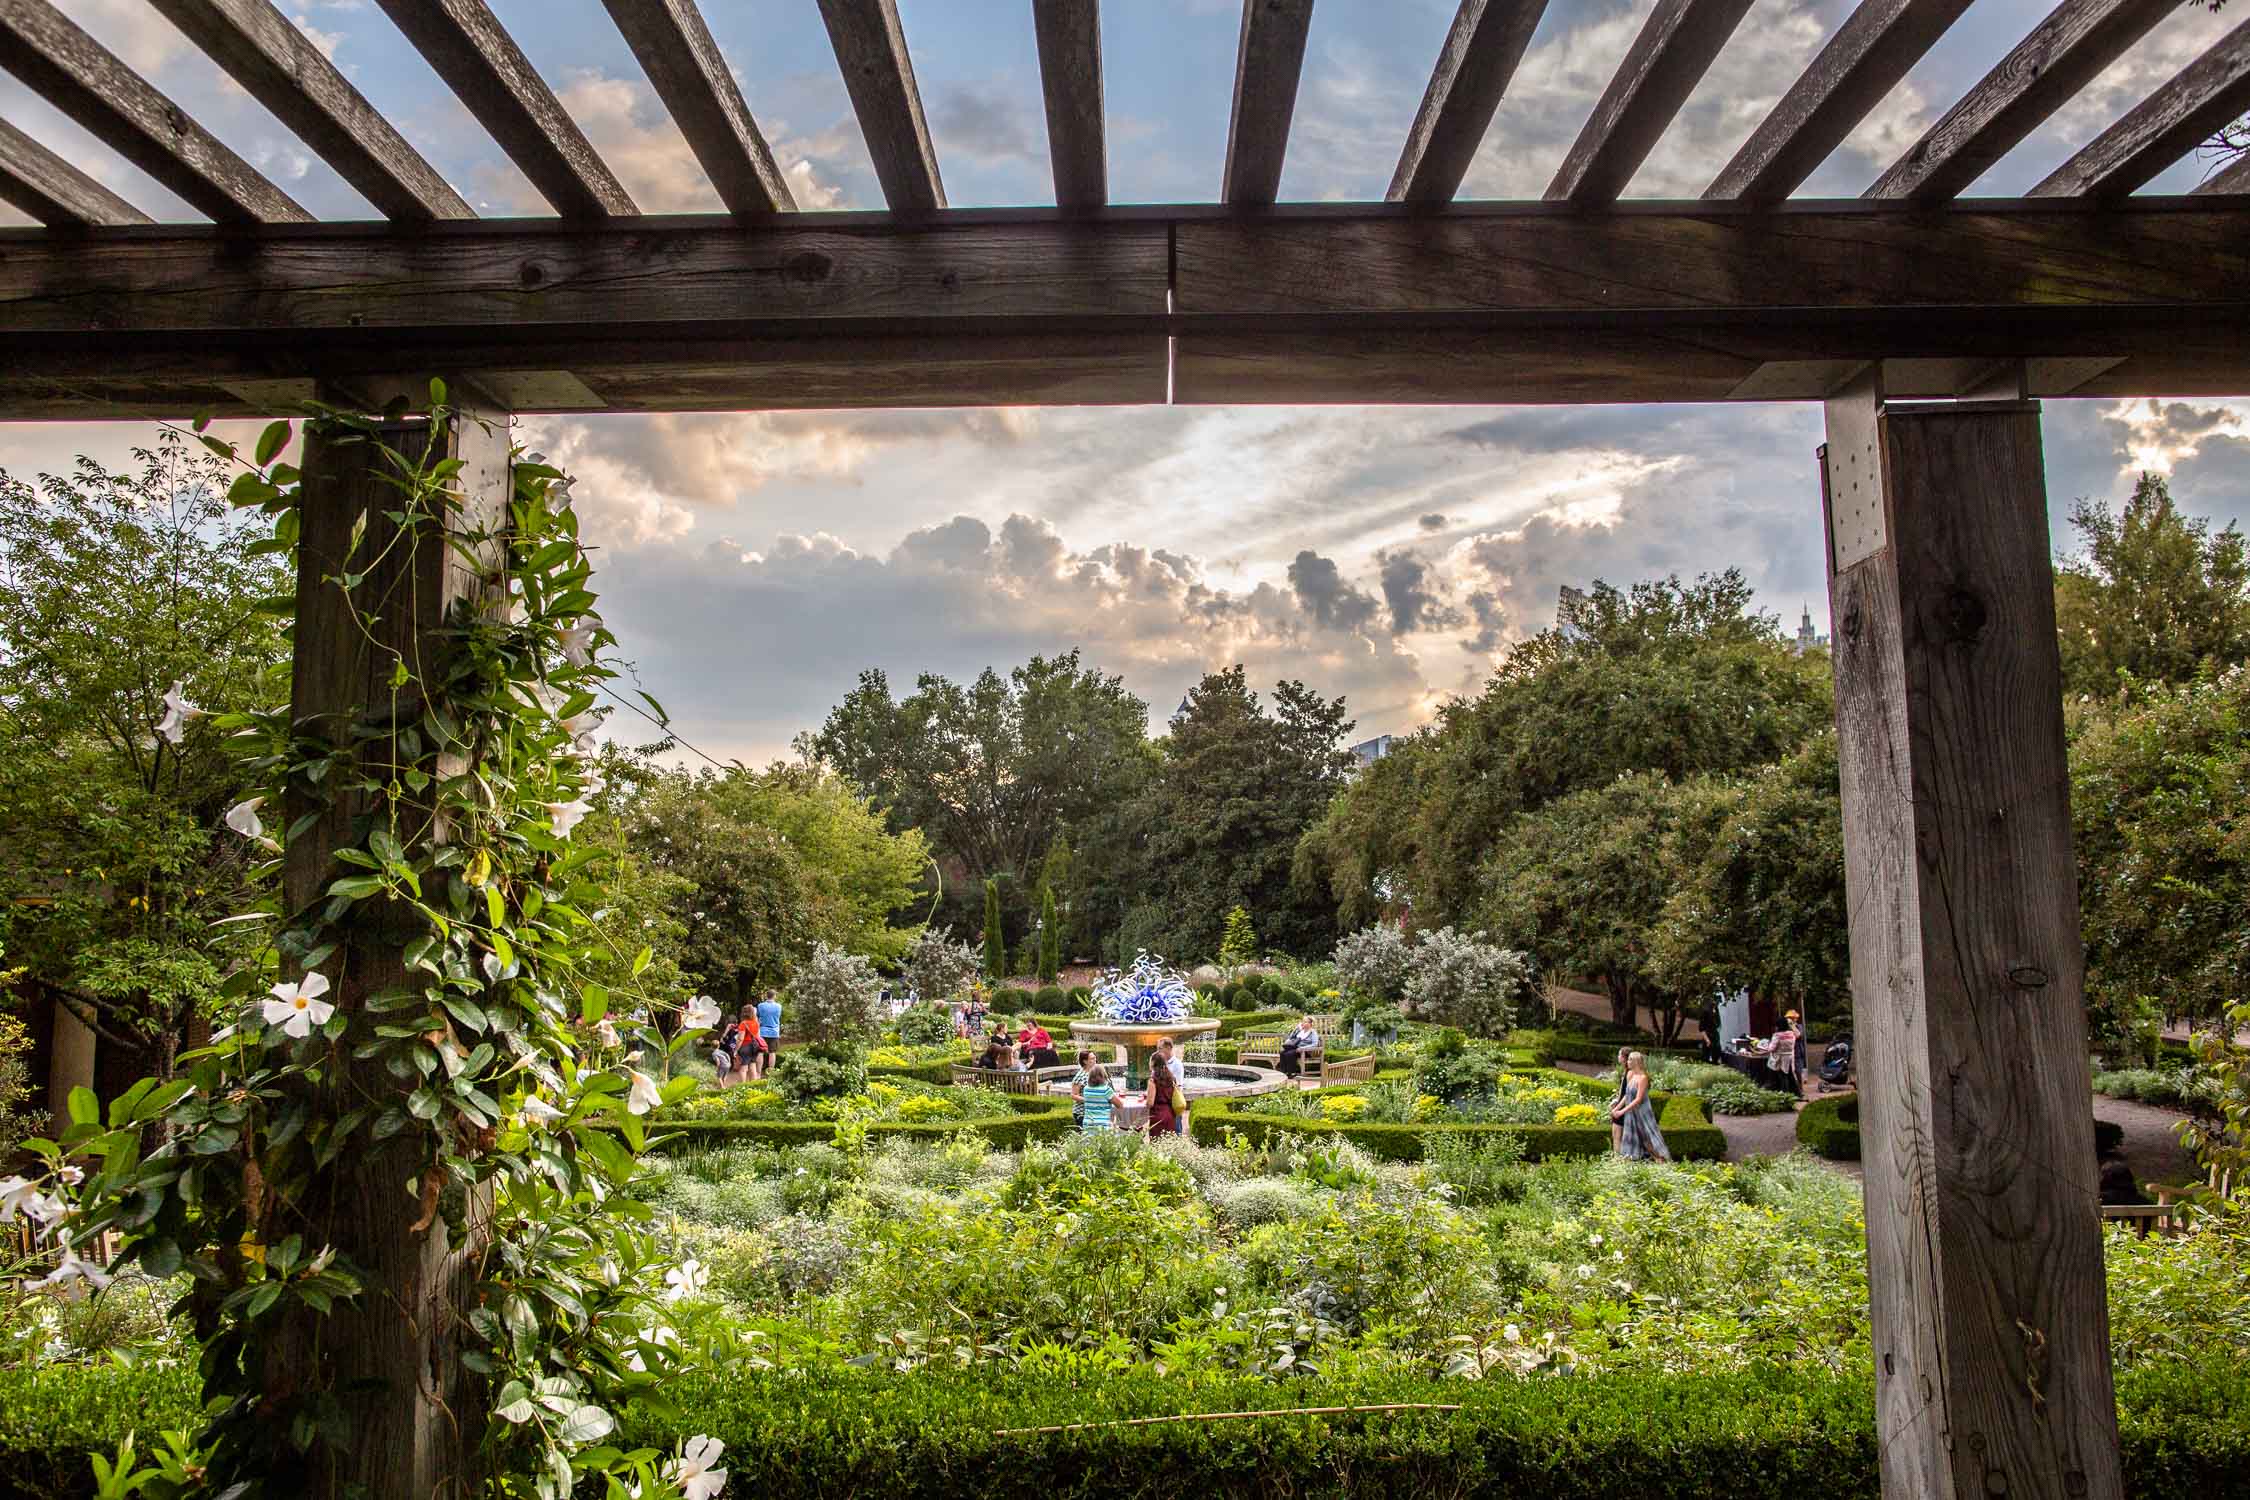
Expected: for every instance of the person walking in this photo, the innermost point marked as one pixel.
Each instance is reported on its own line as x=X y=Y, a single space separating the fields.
x=769 y=1029
x=1096 y=1100
x=1638 y=1138
x=1164 y=1101
x=1617 y=1100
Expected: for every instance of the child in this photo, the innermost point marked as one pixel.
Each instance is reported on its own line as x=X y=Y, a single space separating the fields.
x=1095 y=1099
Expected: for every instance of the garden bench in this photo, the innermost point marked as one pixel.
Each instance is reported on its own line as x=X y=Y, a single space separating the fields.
x=2168 y=1218
x=1358 y=1069
x=1262 y=1049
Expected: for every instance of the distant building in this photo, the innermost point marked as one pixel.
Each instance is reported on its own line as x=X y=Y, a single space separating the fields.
x=1567 y=606
x=1806 y=639
x=1367 y=752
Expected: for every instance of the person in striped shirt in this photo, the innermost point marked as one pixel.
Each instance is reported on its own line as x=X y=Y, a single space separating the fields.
x=1096 y=1099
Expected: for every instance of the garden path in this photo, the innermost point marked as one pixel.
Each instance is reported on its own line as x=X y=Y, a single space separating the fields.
x=1747 y=1135
x=2152 y=1147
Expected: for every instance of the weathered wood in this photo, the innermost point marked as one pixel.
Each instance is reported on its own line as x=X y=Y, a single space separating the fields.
x=1674 y=49
x=1985 y=1261
x=1070 y=76
x=683 y=63
x=465 y=44
x=2209 y=92
x=1474 y=67
x=2234 y=177
x=1861 y=63
x=278 y=65
x=879 y=75
x=415 y=1409
x=89 y=83
x=1269 y=59
x=72 y=1048
x=53 y=191
x=2063 y=54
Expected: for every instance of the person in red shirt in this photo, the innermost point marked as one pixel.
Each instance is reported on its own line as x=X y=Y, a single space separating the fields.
x=1036 y=1045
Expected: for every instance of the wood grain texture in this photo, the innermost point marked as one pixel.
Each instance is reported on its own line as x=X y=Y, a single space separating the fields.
x=278 y=65
x=1474 y=67
x=879 y=75
x=2209 y=92
x=674 y=47
x=53 y=191
x=1849 y=76
x=1670 y=55
x=2234 y=177
x=398 y=1349
x=1269 y=59
x=2063 y=53
x=1070 y=78
x=465 y=44
x=1985 y=1262
x=89 y=83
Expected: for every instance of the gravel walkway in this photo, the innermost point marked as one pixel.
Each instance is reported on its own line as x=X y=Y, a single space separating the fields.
x=1747 y=1135
x=2152 y=1147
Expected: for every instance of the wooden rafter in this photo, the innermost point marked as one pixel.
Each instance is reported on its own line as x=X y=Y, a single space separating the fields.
x=1673 y=51
x=465 y=44
x=2234 y=177
x=2203 y=96
x=89 y=83
x=278 y=65
x=870 y=48
x=675 y=49
x=1861 y=63
x=53 y=191
x=2062 y=55
x=1474 y=67
x=1070 y=75
x=1269 y=60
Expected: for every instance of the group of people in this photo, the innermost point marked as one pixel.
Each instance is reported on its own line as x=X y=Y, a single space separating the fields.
x=1033 y=1046
x=743 y=1049
x=1095 y=1092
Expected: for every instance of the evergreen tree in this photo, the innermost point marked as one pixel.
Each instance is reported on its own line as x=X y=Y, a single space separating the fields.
x=2155 y=596
x=995 y=944
x=1240 y=945
x=1050 y=937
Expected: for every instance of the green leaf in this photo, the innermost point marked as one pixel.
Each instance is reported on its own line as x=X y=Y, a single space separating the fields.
x=641 y=961
x=593 y=1004
x=356 y=886
x=656 y=708
x=250 y=489
x=272 y=441
x=85 y=1108
x=423 y=1103
x=495 y=906
x=437 y=391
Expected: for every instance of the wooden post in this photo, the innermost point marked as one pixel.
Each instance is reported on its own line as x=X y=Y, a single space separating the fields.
x=391 y=1357
x=1984 y=1244
x=71 y=1044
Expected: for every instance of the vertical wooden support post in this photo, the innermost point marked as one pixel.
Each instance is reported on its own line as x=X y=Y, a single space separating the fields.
x=1983 y=1231
x=71 y=1062
x=390 y=1356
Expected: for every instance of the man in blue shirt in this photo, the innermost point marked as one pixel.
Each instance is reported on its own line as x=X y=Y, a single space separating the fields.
x=769 y=1023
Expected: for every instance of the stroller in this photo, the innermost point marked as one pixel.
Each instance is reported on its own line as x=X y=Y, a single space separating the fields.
x=1836 y=1063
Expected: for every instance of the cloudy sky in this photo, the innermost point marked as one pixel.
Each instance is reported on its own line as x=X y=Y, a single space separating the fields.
x=753 y=563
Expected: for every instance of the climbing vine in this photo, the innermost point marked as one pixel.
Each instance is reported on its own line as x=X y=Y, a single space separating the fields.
x=496 y=1092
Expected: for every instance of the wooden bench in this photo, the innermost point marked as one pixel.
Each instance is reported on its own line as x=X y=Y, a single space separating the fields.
x=1358 y=1069
x=2167 y=1218
x=1262 y=1049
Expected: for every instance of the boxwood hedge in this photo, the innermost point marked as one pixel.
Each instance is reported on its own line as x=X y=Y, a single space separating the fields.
x=1742 y=1435
x=1034 y=1119
x=1830 y=1127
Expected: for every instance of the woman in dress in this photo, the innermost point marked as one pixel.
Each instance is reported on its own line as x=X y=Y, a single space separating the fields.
x=1617 y=1100
x=1163 y=1099
x=1095 y=1098
x=1638 y=1139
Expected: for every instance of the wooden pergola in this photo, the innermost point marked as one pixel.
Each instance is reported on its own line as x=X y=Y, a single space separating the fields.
x=1927 y=323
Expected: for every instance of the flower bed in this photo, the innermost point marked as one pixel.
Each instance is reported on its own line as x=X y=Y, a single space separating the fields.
x=1025 y=1119
x=1687 y=1129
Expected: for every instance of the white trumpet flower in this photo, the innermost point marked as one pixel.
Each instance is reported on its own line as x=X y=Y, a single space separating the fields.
x=178 y=714
x=297 y=1008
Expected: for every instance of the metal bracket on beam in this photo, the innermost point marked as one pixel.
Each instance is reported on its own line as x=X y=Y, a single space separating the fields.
x=1854 y=470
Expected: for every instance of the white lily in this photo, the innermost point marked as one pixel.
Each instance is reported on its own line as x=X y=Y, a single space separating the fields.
x=702 y=1014
x=696 y=1471
x=67 y=1276
x=578 y=641
x=178 y=714
x=686 y=1279
x=539 y=1112
x=20 y=1195
x=605 y=1032
x=564 y=816
x=643 y=1096
x=71 y=1174
x=297 y=1008
x=243 y=817
x=661 y=1337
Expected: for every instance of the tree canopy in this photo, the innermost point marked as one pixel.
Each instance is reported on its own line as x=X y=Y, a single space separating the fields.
x=2155 y=596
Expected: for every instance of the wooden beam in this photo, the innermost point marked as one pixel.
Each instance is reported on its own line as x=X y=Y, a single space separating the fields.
x=53 y=191
x=2234 y=177
x=2206 y=94
x=2063 y=53
x=1991 y=1329
x=1473 y=70
x=465 y=44
x=278 y=65
x=89 y=83
x=1070 y=75
x=1861 y=63
x=1673 y=51
x=683 y=63
x=1268 y=61
x=879 y=75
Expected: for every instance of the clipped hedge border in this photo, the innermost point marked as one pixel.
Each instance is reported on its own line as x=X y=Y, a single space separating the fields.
x=1763 y=1433
x=929 y=1072
x=1035 y=1119
x=1830 y=1127
x=1687 y=1129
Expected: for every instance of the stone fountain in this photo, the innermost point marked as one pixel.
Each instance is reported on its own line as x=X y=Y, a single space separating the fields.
x=1140 y=1007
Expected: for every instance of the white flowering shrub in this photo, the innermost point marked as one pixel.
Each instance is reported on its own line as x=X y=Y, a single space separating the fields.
x=835 y=997
x=938 y=968
x=1460 y=979
x=1372 y=962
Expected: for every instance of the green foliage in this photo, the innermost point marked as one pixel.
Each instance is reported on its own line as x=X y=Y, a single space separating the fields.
x=1373 y=962
x=2153 y=598
x=821 y=1071
x=835 y=997
x=1050 y=997
x=938 y=969
x=1454 y=1070
x=1458 y=979
x=1239 y=944
x=925 y=1025
x=1050 y=936
x=995 y=941
x=1722 y=1090
x=1687 y=1130
x=1830 y=1127
x=18 y=1118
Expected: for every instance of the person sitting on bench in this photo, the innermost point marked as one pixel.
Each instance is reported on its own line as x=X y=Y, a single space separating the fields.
x=1296 y=1044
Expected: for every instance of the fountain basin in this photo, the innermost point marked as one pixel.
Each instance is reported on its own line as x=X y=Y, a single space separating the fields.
x=1139 y=1039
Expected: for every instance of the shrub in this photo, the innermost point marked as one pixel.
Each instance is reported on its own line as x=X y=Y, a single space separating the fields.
x=1010 y=1001
x=1239 y=945
x=1459 y=979
x=824 y=1070
x=1081 y=998
x=1240 y=998
x=1262 y=1200
x=1481 y=1168
x=1830 y=1127
x=925 y=1026
x=1050 y=997
x=1372 y=962
x=834 y=996
x=1457 y=1071
x=937 y=967
x=1687 y=1130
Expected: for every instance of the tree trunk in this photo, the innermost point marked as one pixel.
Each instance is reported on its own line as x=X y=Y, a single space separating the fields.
x=390 y=1358
x=1622 y=1010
